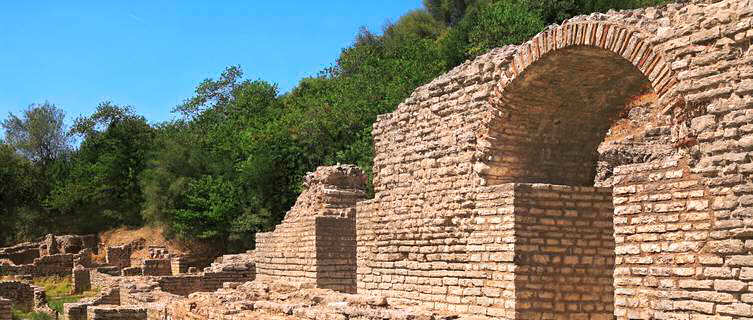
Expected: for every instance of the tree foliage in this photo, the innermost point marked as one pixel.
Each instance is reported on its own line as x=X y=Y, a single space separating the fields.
x=39 y=134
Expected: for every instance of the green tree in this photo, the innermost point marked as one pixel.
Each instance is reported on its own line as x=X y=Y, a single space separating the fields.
x=39 y=134
x=449 y=12
x=102 y=189
x=194 y=184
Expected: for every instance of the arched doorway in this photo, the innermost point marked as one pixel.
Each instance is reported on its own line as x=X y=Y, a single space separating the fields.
x=551 y=117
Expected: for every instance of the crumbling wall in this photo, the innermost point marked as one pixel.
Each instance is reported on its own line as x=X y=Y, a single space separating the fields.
x=116 y=313
x=186 y=284
x=315 y=241
x=53 y=265
x=119 y=256
x=80 y=310
x=24 y=296
x=23 y=253
x=156 y=267
x=5 y=309
x=81 y=278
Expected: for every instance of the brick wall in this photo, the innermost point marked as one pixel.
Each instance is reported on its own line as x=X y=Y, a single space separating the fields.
x=315 y=243
x=336 y=253
x=564 y=252
x=81 y=279
x=119 y=256
x=116 y=313
x=667 y=257
x=80 y=310
x=157 y=267
x=5 y=312
x=455 y=251
x=208 y=281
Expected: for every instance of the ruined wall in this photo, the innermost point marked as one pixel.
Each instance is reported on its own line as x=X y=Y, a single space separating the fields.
x=156 y=267
x=80 y=310
x=315 y=243
x=54 y=265
x=5 y=311
x=119 y=256
x=116 y=313
x=81 y=279
x=186 y=284
x=24 y=296
x=23 y=253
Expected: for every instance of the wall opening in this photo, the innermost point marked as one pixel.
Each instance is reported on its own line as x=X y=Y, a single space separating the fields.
x=554 y=117
x=557 y=111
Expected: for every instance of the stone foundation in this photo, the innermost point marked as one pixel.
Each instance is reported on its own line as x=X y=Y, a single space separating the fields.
x=116 y=313
x=184 y=285
x=80 y=310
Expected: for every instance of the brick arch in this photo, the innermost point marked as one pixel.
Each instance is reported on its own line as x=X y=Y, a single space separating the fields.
x=624 y=41
x=559 y=95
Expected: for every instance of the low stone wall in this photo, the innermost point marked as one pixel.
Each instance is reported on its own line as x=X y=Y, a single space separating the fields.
x=80 y=310
x=23 y=253
x=5 y=313
x=24 y=296
x=156 y=267
x=54 y=265
x=20 y=294
x=116 y=313
x=208 y=281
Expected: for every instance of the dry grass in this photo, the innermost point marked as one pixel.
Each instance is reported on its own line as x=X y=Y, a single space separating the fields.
x=153 y=236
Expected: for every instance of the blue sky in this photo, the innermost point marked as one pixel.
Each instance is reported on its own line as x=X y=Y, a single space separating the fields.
x=152 y=54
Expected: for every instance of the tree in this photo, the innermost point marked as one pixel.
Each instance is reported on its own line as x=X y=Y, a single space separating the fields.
x=40 y=135
x=102 y=187
x=449 y=12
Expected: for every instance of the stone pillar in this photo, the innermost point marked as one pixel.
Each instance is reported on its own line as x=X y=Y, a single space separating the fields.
x=5 y=313
x=81 y=280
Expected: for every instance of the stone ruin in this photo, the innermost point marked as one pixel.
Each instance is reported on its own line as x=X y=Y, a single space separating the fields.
x=52 y=256
x=601 y=170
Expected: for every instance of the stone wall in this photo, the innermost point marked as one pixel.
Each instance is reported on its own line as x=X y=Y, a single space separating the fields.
x=315 y=243
x=80 y=310
x=564 y=252
x=81 y=278
x=116 y=313
x=5 y=309
x=656 y=101
x=119 y=256
x=24 y=296
x=23 y=253
x=336 y=253
x=186 y=284
x=459 y=258
x=156 y=267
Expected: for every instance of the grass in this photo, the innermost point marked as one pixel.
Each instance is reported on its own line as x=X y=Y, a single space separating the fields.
x=58 y=291
x=21 y=315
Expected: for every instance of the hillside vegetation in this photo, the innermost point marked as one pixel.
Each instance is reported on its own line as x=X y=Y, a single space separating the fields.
x=233 y=163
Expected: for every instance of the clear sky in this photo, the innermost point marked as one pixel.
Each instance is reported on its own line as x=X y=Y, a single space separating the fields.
x=152 y=54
